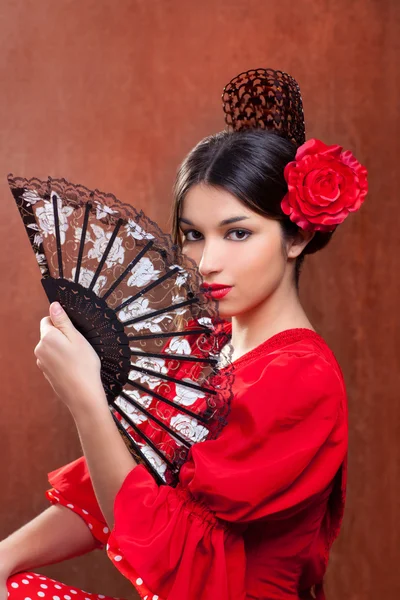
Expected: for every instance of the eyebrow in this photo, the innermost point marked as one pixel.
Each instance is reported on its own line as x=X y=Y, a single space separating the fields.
x=224 y=222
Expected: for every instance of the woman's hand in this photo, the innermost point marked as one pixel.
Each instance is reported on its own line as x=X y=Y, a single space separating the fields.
x=68 y=361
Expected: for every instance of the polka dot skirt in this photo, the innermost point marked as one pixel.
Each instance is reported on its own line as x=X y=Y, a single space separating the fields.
x=55 y=590
x=31 y=586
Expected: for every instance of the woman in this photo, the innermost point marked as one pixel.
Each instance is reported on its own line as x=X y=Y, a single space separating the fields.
x=256 y=510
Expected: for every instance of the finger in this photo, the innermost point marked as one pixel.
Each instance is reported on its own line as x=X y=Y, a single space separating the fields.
x=45 y=326
x=61 y=320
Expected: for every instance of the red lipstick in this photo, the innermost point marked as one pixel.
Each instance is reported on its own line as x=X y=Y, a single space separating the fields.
x=216 y=290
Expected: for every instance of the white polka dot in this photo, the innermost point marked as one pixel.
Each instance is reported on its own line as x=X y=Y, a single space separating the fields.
x=73 y=592
x=90 y=526
x=58 y=587
x=100 y=596
x=155 y=597
x=14 y=585
x=25 y=581
x=117 y=558
x=70 y=506
x=30 y=576
x=139 y=581
x=41 y=594
x=43 y=578
x=85 y=512
x=27 y=598
x=87 y=598
x=56 y=597
x=67 y=597
x=44 y=586
x=105 y=529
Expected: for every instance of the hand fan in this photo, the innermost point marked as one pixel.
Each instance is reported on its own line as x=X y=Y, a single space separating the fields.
x=140 y=303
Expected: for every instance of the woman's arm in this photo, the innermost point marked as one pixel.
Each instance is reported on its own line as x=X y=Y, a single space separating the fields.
x=53 y=536
x=72 y=367
x=108 y=459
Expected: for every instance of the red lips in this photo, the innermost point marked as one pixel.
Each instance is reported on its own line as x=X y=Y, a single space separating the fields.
x=216 y=290
x=215 y=286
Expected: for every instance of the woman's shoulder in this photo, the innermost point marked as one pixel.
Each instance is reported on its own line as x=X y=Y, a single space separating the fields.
x=297 y=358
x=293 y=368
x=294 y=343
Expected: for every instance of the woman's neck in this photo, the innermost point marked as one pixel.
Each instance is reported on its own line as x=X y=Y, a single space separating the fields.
x=278 y=312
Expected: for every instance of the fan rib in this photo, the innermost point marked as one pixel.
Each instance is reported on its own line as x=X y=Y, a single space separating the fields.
x=169 y=402
x=137 y=448
x=153 y=336
x=140 y=432
x=82 y=242
x=58 y=237
x=183 y=357
x=127 y=270
x=172 y=379
x=147 y=288
x=159 y=312
x=106 y=253
x=155 y=419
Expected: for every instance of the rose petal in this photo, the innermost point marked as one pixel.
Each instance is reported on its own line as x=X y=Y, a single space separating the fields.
x=315 y=147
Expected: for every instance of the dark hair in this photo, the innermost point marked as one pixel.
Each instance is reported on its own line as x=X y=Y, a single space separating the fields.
x=250 y=165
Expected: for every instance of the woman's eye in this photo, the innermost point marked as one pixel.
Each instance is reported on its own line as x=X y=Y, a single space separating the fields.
x=187 y=235
x=193 y=236
x=240 y=233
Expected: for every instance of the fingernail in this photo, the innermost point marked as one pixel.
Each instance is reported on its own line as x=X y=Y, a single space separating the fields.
x=56 y=308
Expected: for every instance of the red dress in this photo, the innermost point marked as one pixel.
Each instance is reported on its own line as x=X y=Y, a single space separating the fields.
x=256 y=510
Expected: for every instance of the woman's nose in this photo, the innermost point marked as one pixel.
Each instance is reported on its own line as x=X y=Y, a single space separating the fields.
x=210 y=261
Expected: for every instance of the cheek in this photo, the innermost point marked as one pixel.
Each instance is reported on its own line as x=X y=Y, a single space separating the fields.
x=260 y=258
x=188 y=251
x=261 y=272
x=193 y=251
x=269 y=263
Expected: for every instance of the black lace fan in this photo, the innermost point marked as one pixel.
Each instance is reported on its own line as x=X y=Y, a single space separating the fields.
x=138 y=300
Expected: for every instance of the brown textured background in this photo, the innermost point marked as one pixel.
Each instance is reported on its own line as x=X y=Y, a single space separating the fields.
x=112 y=94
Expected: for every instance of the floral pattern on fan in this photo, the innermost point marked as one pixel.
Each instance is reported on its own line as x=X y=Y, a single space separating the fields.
x=138 y=300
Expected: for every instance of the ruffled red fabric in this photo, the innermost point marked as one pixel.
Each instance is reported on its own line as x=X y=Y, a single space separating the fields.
x=257 y=509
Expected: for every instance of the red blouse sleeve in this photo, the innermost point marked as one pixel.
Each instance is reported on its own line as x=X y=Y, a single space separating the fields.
x=285 y=441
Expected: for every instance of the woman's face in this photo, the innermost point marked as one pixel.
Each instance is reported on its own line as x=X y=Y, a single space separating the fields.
x=247 y=253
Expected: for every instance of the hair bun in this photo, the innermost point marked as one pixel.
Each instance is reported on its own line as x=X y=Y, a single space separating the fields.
x=265 y=99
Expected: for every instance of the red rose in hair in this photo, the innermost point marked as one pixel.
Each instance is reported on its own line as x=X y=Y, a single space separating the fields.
x=325 y=184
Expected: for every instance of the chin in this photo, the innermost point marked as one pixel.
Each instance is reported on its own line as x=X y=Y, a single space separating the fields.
x=225 y=313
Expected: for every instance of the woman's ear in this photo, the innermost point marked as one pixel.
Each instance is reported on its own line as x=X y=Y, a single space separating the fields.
x=299 y=242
